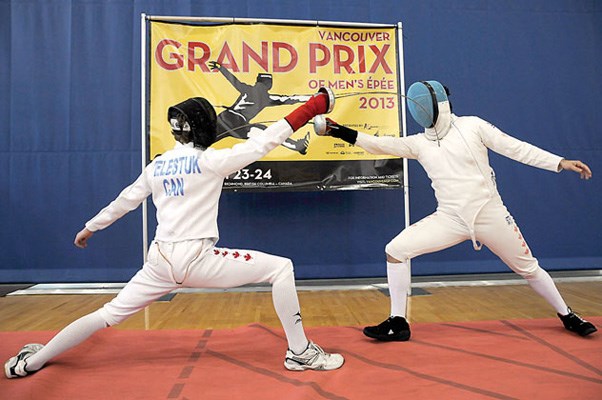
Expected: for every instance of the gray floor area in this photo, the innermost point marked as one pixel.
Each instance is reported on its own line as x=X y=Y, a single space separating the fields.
x=420 y=284
x=10 y=288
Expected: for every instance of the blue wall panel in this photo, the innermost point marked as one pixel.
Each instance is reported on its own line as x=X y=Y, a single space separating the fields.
x=70 y=121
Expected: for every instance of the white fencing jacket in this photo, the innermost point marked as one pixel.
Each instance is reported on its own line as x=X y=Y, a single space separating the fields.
x=458 y=163
x=186 y=184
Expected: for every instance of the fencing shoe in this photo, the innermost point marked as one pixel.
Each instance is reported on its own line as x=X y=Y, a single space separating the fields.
x=15 y=366
x=313 y=358
x=392 y=329
x=575 y=323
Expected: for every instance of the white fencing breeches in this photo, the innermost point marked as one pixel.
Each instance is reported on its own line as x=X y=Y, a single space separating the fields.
x=194 y=264
x=198 y=264
x=494 y=227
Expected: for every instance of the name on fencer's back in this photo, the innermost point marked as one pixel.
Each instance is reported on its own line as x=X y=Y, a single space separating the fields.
x=185 y=165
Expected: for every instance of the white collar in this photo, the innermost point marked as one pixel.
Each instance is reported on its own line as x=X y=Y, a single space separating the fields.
x=178 y=144
x=443 y=124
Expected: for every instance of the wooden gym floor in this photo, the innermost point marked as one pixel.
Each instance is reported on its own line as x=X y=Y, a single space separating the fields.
x=477 y=300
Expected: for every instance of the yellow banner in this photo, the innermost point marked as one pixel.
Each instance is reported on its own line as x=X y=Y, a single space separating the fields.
x=256 y=74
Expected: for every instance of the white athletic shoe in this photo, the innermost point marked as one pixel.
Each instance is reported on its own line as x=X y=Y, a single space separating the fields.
x=313 y=358
x=15 y=366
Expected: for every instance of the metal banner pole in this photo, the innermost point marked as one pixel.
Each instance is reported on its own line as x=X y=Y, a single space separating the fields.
x=143 y=143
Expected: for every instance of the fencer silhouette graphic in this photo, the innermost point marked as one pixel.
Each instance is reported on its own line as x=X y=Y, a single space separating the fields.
x=235 y=120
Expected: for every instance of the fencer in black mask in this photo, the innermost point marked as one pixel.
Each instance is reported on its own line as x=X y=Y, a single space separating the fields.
x=193 y=120
x=185 y=184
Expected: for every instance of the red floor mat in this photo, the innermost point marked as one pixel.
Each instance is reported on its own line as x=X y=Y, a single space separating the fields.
x=518 y=359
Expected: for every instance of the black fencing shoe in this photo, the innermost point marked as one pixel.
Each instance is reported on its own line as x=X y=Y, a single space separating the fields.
x=393 y=329
x=575 y=323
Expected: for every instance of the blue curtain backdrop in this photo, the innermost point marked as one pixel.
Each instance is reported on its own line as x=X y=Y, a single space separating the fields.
x=70 y=129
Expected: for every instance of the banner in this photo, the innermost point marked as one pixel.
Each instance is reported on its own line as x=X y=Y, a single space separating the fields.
x=255 y=74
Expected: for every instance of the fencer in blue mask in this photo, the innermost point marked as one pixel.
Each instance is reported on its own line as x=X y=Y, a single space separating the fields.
x=454 y=153
x=429 y=106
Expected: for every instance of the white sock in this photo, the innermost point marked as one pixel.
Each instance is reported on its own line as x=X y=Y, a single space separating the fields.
x=72 y=335
x=543 y=284
x=398 y=277
x=286 y=304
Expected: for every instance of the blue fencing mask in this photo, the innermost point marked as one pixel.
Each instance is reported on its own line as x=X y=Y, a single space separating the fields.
x=423 y=102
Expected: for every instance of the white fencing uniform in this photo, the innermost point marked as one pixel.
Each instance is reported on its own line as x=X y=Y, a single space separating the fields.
x=185 y=184
x=469 y=206
x=454 y=152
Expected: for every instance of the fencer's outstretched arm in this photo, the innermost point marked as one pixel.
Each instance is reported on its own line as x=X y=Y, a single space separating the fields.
x=385 y=145
x=227 y=161
x=524 y=152
x=223 y=162
x=129 y=199
x=502 y=143
x=577 y=166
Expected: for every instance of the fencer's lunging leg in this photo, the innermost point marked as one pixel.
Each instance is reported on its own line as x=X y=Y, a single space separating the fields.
x=218 y=269
x=398 y=278
x=286 y=304
x=72 y=335
x=396 y=327
x=498 y=231
x=432 y=233
x=543 y=284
